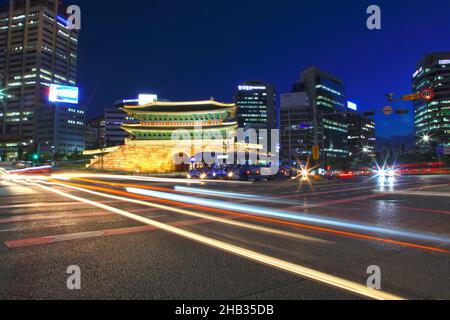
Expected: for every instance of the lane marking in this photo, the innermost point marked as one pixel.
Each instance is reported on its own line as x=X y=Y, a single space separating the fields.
x=45 y=240
x=418 y=193
x=292 y=268
x=46 y=204
x=36 y=217
x=38 y=227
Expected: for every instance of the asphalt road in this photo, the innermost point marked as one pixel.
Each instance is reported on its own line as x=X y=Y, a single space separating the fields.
x=284 y=239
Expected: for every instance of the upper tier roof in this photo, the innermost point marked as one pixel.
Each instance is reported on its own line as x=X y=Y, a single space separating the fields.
x=180 y=107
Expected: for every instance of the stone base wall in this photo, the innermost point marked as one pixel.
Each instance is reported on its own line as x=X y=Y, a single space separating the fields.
x=153 y=156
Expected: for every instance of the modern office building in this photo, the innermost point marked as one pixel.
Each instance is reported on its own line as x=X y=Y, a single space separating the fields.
x=432 y=118
x=37 y=49
x=296 y=126
x=256 y=107
x=115 y=117
x=95 y=133
x=319 y=104
x=361 y=136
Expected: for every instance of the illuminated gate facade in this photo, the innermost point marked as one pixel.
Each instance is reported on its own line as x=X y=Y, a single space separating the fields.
x=168 y=131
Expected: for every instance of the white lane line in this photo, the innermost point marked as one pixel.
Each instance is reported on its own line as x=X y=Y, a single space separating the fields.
x=301 y=271
x=419 y=193
x=38 y=227
x=46 y=204
x=149 y=179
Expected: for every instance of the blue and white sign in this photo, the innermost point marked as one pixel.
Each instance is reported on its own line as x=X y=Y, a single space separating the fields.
x=63 y=94
x=352 y=106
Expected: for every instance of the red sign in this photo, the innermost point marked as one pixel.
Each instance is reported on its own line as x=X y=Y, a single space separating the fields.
x=427 y=94
x=388 y=110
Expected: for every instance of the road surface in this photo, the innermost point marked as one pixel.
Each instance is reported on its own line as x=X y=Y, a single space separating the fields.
x=144 y=238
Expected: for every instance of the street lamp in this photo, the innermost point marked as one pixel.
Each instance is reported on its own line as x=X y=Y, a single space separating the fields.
x=426 y=138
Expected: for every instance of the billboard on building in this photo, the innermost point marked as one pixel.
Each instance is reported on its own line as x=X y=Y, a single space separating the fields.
x=63 y=94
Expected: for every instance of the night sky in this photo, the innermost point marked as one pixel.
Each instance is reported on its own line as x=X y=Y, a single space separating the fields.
x=199 y=49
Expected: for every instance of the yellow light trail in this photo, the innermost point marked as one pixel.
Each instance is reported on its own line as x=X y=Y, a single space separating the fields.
x=199 y=215
x=299 y=270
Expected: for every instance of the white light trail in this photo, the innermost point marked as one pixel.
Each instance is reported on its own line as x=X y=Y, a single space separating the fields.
x=296 y=269
x=196 y=215
x=68 y=176
x=233 y=195
x=29 y=169
x=286 y=215
x=217 y=193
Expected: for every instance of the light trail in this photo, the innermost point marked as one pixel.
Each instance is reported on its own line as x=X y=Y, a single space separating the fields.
x=200 y=215
x=292 y=268
x=217 y=193
x=233 y=195
x=227 y=212
x=286 y=215
x=149 y=179
x=29 y=169
x=189 y=190
x=419 y=193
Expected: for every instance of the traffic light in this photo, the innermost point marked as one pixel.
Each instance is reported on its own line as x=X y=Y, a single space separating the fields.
x=316 y=151
x=401 y=112
x=36 y=156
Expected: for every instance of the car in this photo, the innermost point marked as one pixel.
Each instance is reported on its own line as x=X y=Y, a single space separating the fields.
x=269 y=173
x=197 y=174
x=220 y=172
x=247 y=172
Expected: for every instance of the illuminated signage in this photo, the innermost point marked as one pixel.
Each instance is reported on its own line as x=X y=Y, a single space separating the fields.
x=62 y=20
x=352 y=106
x=147 y=98
x=444 y=61
x=251 y=88
x=63 y=94
x=130 y=101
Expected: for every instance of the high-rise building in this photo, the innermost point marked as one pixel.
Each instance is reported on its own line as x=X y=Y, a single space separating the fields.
x=322 y=121
x=95 y=133
x=361 y=136
x=115 y=117
x=37 y=49
x=432 y=118
x=296 y=126
x=256 y=106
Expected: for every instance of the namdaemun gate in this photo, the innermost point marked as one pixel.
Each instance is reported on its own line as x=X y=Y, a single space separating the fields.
x=170 y=135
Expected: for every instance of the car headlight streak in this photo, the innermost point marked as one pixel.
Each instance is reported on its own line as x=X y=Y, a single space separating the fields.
x=286 y=215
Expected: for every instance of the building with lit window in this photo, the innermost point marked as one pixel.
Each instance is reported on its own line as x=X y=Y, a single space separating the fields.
x=432 y=118
x=255 y=103
x=37 y=49
x=114 y=119
x=95 y=133
x=296 y=126
x=316 y=110
x=361 y=136
x=256 y=108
